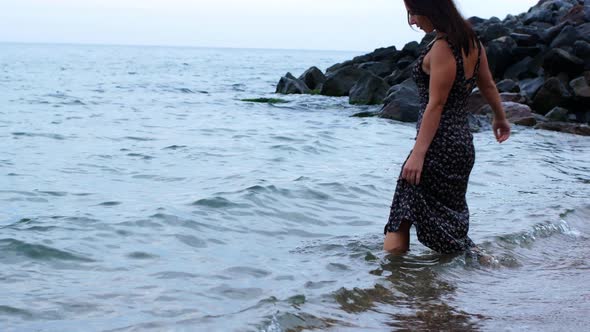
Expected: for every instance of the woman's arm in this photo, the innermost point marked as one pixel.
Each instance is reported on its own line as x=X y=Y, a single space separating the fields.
x=487 y=86
x=443 y=70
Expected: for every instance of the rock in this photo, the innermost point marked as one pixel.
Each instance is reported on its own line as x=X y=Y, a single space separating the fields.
x=381 y=69
x=557 y=114
x=572 y=128
x=514 y=111
x=476 y=101
x=369 y=90
x=508 y=86
x=339 y=82
x=582 y=51
x=408 y=84
x=365 y=114
x=404 y=62
x=532 y=51
x=525 y=40
x=313 y=78
x=362 y=58
x=529 y=87
x=551 y=32
x=584 y=31
x=288 y=84
x=538 y=15
x=499 y=52
x=493 y=31
x=531 y=30
x=558 y=60
x=402 y=103
x=552 y=93
x=412 y=49
x=566 y=37
x=475 y=21
x=525 y=68
x=527 y=121
x=399 y=75
x=577 y=15
x=338 y=66
x=580 y=86
x=385 y=54
x=582 y=116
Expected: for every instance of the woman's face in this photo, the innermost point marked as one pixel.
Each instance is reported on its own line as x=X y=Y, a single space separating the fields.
x=422 y=22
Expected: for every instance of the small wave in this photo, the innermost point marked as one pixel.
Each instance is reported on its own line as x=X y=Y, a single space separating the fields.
x=110 y=203
x=44 y=135
x=12 y=311
x=141 y=139
x=141 y=255
x=217 y=203
x=139 y=155
x=175 y=147
x=185 y=90
x=12 y=248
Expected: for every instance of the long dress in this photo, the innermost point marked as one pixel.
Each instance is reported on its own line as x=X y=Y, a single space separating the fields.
x=437 y=207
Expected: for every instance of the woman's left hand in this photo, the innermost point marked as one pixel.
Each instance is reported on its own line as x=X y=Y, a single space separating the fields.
x=412 y=171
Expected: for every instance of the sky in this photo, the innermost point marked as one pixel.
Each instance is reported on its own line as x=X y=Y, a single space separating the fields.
x=355 y=25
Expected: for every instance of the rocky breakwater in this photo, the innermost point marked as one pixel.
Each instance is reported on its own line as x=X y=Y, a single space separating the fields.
x=540 y=60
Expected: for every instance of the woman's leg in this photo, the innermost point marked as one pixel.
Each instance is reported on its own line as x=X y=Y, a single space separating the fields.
x=398 y=242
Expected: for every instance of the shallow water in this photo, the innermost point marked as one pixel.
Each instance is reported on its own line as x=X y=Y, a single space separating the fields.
x=139 y=193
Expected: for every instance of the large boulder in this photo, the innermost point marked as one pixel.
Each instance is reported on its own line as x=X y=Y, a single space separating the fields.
x=552 y=93
x=405 y=62
x=581 y=86
x=557 y=114
x=538 y=14
x=339 y=82
x=368 y=90
x=525 y=68
x=577 y=15
x=499 y=52
x=507 y=86
x=529 y=87
x=476 y=101
x=566 y=37
x=514 y=111
x=288 y=84
x=399 y=75
x=411 y=49
x=582 y=51
x=566 y=127
x=313 y=78
x=387 y=53
x=493 y=31
x=525 y=40
x=552 y=31
x=559 y=61
x=402 y=103
x=378 y=68
x=584 y=31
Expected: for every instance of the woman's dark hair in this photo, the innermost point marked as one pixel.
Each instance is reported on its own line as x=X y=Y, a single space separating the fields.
x=445 y=18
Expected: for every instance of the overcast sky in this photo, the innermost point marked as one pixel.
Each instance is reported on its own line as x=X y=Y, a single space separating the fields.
x=358 y=25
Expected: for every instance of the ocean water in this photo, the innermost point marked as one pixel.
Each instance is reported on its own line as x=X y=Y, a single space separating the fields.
x=139 y=193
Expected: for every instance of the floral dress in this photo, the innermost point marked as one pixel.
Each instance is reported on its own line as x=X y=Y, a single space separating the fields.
x=437 y=207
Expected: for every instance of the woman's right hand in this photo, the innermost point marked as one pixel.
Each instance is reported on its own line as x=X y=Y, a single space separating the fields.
x=501 y=129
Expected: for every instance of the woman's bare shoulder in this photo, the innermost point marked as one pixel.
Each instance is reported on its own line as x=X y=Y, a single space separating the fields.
x=441 y=53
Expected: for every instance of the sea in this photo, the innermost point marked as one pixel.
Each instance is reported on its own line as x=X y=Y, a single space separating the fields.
x=140 y=192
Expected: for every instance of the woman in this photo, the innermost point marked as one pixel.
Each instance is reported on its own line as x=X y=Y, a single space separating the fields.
x=430 y=192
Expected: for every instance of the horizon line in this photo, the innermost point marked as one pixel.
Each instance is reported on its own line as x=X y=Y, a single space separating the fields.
x=180 y=46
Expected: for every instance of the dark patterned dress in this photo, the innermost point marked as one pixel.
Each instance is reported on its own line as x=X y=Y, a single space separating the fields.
x=437 y=207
